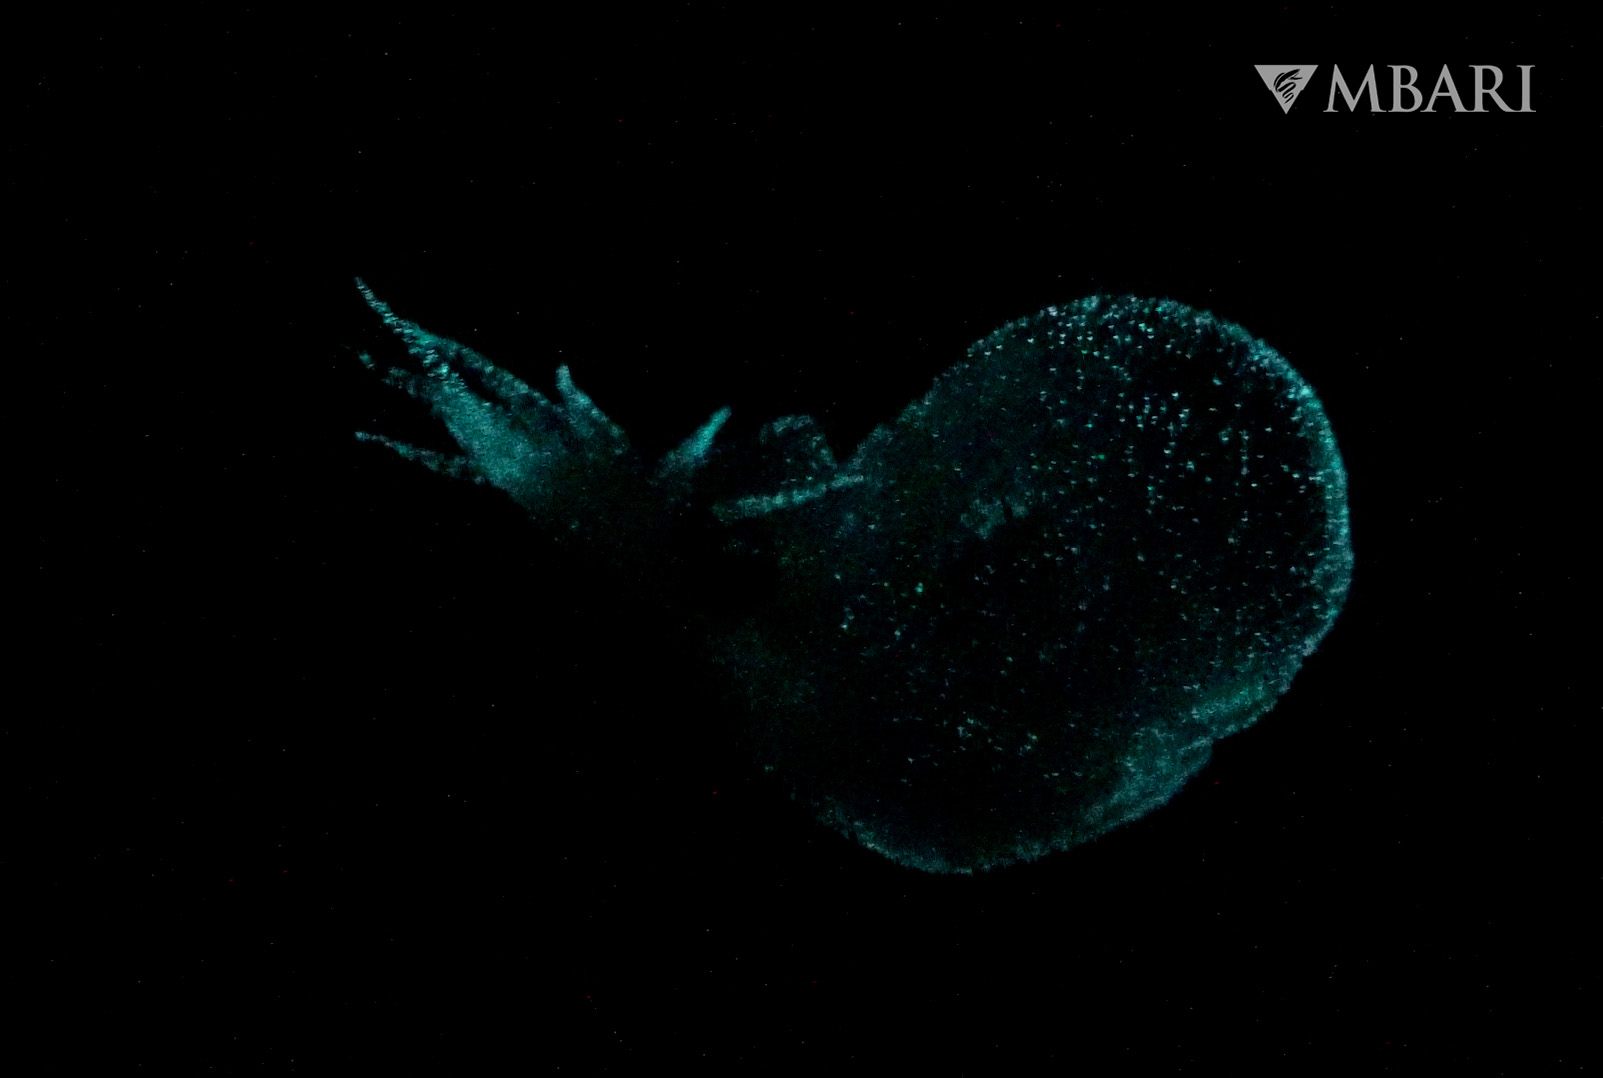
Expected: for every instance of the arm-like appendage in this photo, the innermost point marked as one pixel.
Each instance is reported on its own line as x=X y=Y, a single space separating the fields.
x=511 y=435
x=566 y=463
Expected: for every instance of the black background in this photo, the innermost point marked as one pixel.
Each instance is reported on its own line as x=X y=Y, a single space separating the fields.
x=323 y=763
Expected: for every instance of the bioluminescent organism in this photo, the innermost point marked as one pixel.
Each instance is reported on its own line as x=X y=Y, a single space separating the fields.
x=1014 y=619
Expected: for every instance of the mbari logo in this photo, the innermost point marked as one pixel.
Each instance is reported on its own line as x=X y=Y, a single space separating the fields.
x=1286 y=81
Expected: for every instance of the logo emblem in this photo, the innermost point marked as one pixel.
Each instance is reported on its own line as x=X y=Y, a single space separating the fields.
x=1286 y=81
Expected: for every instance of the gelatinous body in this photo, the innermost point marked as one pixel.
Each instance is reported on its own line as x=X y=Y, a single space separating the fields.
x=1015 y=618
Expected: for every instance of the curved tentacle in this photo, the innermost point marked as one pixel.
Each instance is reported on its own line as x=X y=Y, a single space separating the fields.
x=456 y=467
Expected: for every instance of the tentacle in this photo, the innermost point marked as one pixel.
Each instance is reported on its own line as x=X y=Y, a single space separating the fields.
x=547 y=456
x=588 y=420
x=454 y=466
x=395 y=376
x=763 y=504
x=693 y=451
x=442 y=353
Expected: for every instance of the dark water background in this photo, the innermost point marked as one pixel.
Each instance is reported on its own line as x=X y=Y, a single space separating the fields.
x=322 y=763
